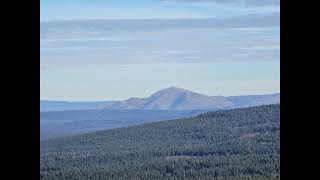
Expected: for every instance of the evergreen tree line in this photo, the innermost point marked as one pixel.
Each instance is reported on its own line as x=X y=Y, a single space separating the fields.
x=231 y=144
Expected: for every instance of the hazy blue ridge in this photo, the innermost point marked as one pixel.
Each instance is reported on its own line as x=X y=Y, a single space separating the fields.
x=65 y=123
x=171 y=98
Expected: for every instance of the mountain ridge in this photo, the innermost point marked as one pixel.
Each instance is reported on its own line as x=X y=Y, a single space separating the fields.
x=172 y=98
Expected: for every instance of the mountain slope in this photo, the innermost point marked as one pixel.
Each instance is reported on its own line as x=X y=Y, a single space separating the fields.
x=180 y=99
x=230 y=144
x=172 y=98
x=66 y=123
x=255 y=100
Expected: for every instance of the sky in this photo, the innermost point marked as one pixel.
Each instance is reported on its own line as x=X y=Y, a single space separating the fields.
x=109 y=50
x=151 y=9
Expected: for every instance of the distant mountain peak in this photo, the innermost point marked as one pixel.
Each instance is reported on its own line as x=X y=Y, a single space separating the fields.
x=172 y=92
x=173 y=88
x=175 y=98
x=177 y=89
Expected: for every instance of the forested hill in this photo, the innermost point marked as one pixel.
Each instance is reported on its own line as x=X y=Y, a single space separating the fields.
x=229 y=144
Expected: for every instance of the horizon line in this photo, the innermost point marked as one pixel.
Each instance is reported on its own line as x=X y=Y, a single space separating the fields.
x=158 y=91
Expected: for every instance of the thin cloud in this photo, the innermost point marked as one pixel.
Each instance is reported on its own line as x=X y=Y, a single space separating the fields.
x=234 y=2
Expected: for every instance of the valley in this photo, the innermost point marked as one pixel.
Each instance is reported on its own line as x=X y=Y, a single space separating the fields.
x=227 y=144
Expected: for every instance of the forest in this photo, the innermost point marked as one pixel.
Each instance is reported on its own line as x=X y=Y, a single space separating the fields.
x=234 y=144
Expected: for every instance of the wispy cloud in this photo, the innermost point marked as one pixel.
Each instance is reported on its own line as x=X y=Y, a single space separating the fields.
x=209 y=47
x=234 y=2
x=151 y=9
x=158 y=41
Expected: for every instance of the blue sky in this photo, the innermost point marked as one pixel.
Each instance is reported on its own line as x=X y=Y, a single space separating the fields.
x=116 y=82
x=115 y=60
x=143 y=9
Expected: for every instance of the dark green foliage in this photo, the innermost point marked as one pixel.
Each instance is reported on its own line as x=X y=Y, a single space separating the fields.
x=230 y=144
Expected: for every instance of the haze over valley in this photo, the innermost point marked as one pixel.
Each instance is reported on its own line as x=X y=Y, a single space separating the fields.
x=172 y=98
x=160 y=89
x=58 y=118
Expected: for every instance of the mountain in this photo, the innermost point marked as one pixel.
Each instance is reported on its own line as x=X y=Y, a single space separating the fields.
x=174 y=98
x=229 y=144
x=171 y=98
x=61 y=118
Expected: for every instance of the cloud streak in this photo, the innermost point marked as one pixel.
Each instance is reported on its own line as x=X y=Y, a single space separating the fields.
x=234 y=2
x=158 y=41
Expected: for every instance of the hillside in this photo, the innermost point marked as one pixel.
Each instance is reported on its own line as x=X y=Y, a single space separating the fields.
x=66 y=123
x=174 y=98
x=229 y=144
x=171 y=98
